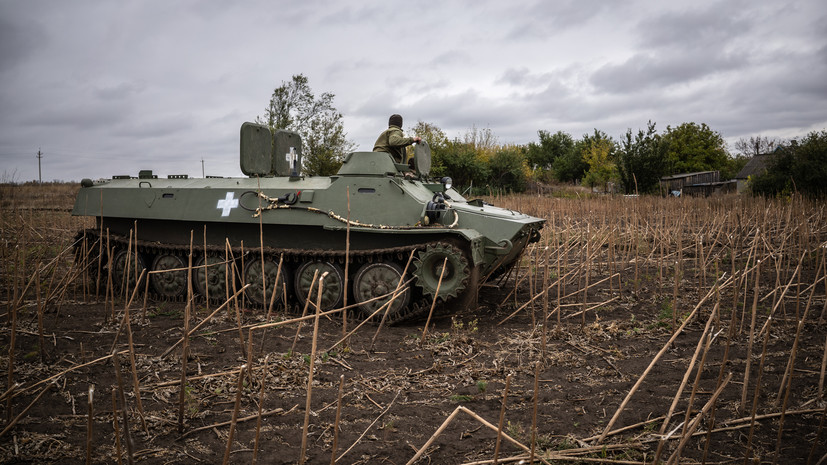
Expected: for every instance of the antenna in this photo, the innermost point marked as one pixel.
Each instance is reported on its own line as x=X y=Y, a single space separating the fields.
x=202 y=169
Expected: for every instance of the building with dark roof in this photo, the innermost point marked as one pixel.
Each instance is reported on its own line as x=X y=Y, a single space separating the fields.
x=756 y=166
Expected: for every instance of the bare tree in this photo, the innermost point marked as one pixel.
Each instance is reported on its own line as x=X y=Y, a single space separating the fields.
x=758 y=145
x=482 y=140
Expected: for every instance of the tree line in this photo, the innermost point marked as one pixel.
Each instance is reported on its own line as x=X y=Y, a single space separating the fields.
x=634 y=163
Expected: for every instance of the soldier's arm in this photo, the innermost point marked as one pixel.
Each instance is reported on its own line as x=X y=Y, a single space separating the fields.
x=396 y=139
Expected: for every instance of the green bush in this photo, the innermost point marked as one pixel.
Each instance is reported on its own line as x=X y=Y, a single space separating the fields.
x=800 y=166
x=508 y=169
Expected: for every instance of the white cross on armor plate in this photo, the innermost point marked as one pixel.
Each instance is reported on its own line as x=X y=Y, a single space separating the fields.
x=227 y=203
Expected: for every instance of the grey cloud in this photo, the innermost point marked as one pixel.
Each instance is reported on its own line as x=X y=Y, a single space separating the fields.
x=821 y=55
x=127 y=85
x=429 y=87
x=789 y=95
x=647 y=70
x=370 y=108
x=16 y=42
x=678 y=47
x=524 y=78
x=557 y=95
x=714 y=27
x=119 y=91
x=543 y=19
x=344 y=13
x=344 y=68
x=448 y=58
x=446 y=111
x=455 y=113
x=85 y=115
x=515 y=77
x=154 y=126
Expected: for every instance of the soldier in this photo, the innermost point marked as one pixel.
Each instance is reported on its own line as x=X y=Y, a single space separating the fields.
x=393 y=141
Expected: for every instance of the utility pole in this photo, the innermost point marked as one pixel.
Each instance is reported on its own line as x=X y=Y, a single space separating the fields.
x=202 y=169
x=39 y=174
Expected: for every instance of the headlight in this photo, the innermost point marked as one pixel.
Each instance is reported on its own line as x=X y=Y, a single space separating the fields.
x=447 y=183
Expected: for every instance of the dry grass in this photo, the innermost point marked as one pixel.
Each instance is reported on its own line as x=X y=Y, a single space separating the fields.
x=611 y=275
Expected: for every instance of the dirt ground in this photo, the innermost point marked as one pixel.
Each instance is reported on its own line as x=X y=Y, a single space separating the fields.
x=399 y=389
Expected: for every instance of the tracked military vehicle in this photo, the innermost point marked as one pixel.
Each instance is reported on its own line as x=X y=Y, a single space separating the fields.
x=277 y=225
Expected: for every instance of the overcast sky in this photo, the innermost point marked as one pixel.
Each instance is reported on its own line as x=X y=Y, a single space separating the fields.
x=113 y=87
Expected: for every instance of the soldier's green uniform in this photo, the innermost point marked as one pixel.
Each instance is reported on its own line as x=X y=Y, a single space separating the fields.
x=393 y=141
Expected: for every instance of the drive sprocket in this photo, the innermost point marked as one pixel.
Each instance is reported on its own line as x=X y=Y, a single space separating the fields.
x=428 y=267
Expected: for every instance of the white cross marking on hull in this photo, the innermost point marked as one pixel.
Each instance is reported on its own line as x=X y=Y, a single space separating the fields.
x=227 y=203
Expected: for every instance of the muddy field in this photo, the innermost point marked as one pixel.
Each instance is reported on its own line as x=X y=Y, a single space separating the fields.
x=652 y=289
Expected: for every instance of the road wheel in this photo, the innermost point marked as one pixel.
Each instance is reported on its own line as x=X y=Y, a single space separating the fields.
x=169 y=284
x=377 y=279
x=334 y=283
x=119 y=271
x=212 y=278
x=252 y=276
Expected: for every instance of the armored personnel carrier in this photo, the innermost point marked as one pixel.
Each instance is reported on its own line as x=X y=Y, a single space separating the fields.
x=275 y=229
